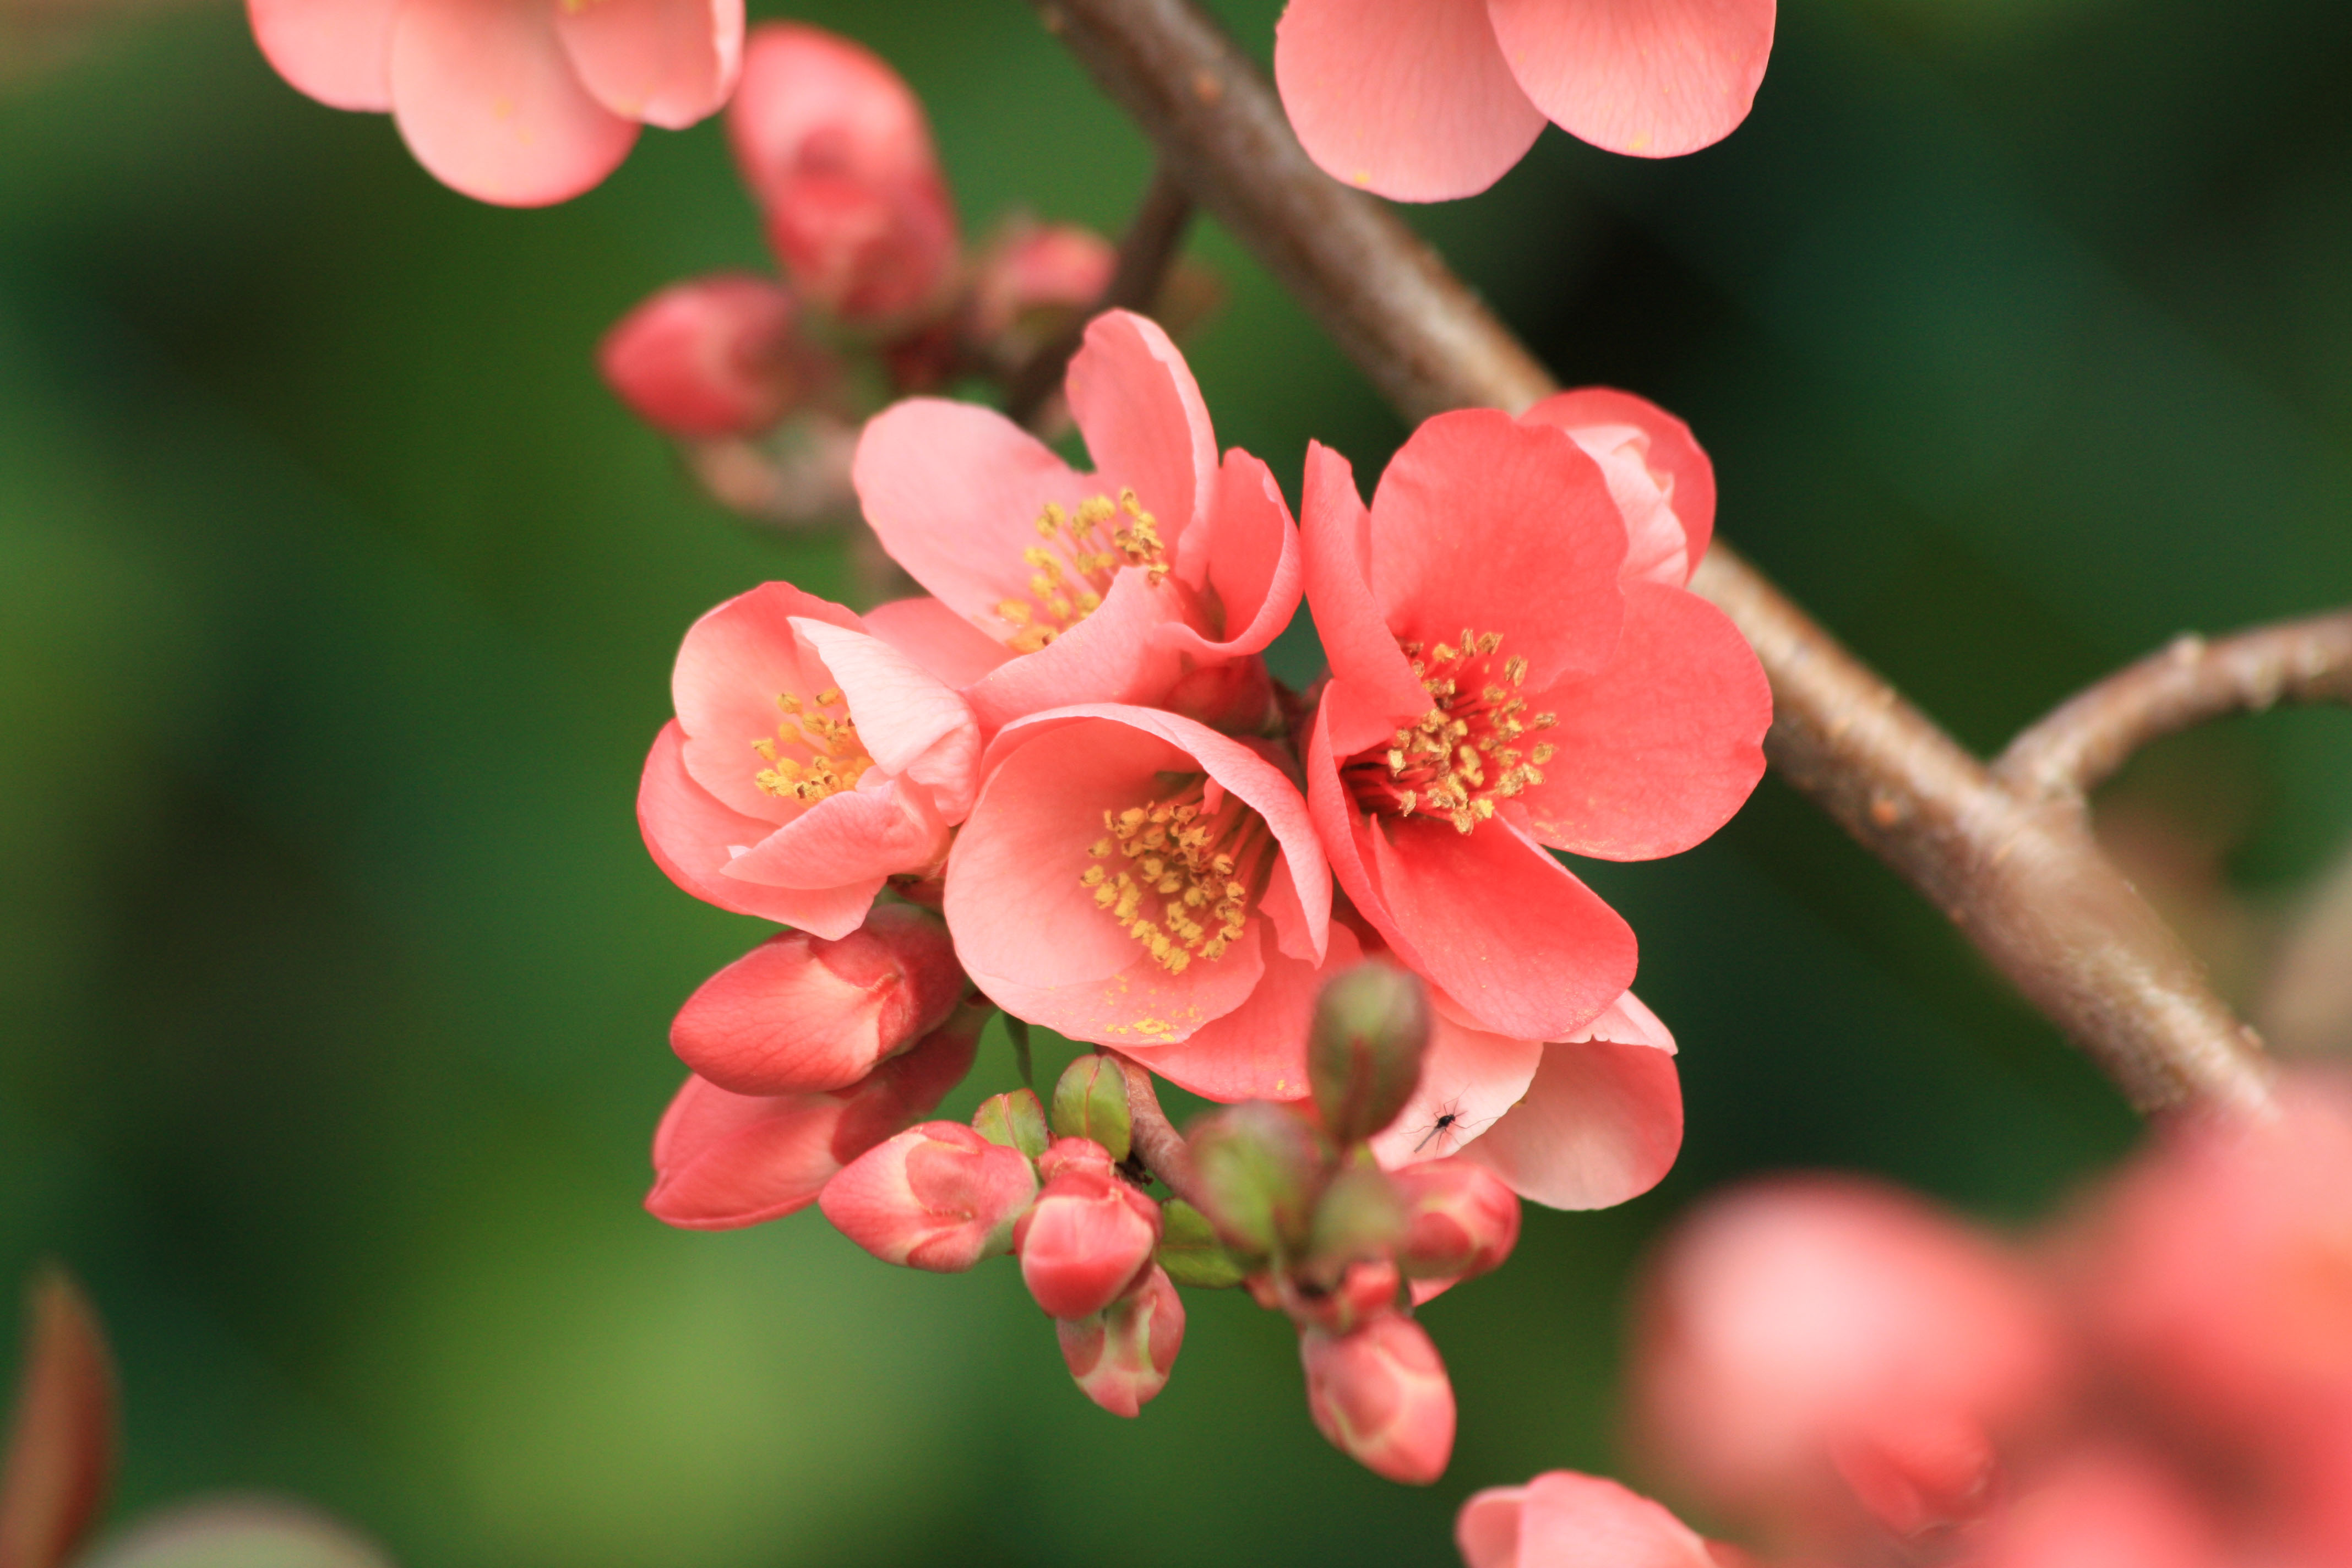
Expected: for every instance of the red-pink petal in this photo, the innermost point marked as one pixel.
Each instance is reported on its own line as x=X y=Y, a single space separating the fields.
x=1410 y=99
x=733 y=665
x=1567 y=1518
x=663 y=62
x=1258 y=1051
x=1335 y=542
x=1601 y=1123
x=1115 y=654
x=1673 y=456
x=1250 y=569
x=875 y=830
x=336 y=51
x=1652 y=78
x=937 y=638
x=1659 y=748
x=488 y=100
x=726 y=1160
x=1135 y=402
x=1470 y=1079
x=909 y=720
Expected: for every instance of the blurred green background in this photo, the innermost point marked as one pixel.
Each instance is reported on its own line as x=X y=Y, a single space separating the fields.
x=336 y=604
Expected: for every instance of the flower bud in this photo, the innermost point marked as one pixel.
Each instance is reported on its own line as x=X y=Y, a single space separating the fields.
x=1260 y=1170
x=1121 y=1355
x=1363 y=1055
x=1087 y=1237
x=1091 y=1102
x=1016 y=1120
x=1459 y=1218
x=1055 y=269
x=937 y=1196
x=1358 y=1216
x=1380 y=1396
x=712 y=356
x=1074 y=1153
x=1189 y=1251
x=1351 y=1297
x=798 y=1013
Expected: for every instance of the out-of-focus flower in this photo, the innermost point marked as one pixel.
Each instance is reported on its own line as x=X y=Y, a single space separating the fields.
x=1087 y=1239
x=1429 y=99
x=521 y=102
x=937 y=1196
x=1033 y=270
x=1563 y=1520
x=719 y=356
x=1382 y=1396
x=1121 y=1355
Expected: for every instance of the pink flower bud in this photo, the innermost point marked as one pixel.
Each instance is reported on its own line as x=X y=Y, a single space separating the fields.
x=1058 y=267
x=1460 y=1219
x=1380 y=1396
x=712 y=356
x=1121 y=1355
x=799 y=1012
x=835 y=146
x=1074 y=1153
x=939 y=1196
x=1087 y=1237
x=1365 y=1290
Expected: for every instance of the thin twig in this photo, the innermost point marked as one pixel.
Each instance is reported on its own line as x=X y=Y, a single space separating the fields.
x=1149 y=248
x=1154 y=1137
x=2023 y=880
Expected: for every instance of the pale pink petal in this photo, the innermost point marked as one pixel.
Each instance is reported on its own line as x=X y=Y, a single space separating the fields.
x=1486 y=1530
x=488 y=100
x=733 y=665
x=1115 y=654
x=1469 y=1081
x=1652 y=78
x=1251 y=567
x=336 y=51
x=726 y=1160
x=1335 y=540
x=1146 y=427
x=878 y=830
x=1258 y=1051
x=1684 y=473
x=937 y=639
x=908 y=721
x=1567 y=1518
x=1410 y=98
x=1601 y=1123
x=1628 y=1021
x=663 y=62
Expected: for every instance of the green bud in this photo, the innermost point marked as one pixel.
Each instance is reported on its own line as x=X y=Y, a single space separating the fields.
x=1359 y=1217
x=1017 y=1119
x=1363 y=1055
x=1189 y=1251
x=1091 y=1102
x=1260 y=1168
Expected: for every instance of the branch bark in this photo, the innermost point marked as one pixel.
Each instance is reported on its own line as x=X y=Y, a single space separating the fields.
x=2018 y=873
x=1154 y=1137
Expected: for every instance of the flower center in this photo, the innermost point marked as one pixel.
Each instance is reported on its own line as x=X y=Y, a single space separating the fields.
x=1464 y=753
x=1072 y=570
x=814 y=752
x=1179 y=874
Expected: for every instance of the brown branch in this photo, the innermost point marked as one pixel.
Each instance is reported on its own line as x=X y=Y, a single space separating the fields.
x=1154 y=236
x=1154 y=1137
x=2022 y=879
x=2083 y=741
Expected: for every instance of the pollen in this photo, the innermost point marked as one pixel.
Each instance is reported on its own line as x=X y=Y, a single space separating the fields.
x=1181 y=873
x=1469 y=751
x=814 y=752
x=1079 y=552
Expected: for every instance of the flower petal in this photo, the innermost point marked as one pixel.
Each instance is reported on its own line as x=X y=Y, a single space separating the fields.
x=726 y=1160
x=1258 y=1052
x=733 y=665
x=1135 y=400
x=1470 y=1079
x=1601 y=1123
x=909 y=722
x=1652 y=77
x=1684 y=473
x=663 y=62
x=336 y=51
x=847 y=839
x=1117 y=655
x=1249 y=583
x=1569 y=1518
x=1335 y=542
x=937 y=638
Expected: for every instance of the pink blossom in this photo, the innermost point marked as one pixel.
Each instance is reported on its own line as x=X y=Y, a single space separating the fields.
x=712 y=356
x=521 y=102
x=800 y=1013
x=1127 y=876
x=1561 y=1519
x=1429 y=99
x=1087 y=1239
x=810 y=763
x=1497 y=691
x=1111 y=586
x=723 y=1160
x=937 y=1196
x=1382 y=1396
x=2101 y=1508
x=1121 y=1355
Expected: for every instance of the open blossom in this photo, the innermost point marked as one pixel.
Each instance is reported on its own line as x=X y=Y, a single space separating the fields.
x=1499 y=689
x=1104 y=587
x=810 y=761
x=1429 y=99
x=520 y=102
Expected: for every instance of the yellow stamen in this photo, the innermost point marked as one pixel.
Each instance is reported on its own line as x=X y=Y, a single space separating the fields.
x=1083 y=550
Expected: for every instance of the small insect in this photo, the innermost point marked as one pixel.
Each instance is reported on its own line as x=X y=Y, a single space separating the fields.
x=1450 y=1123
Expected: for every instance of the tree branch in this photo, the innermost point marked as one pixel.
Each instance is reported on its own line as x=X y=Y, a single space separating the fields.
x=2022 y=879
x=1154 y=1137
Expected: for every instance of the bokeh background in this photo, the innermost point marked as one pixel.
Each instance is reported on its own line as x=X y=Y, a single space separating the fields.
x=336 y=604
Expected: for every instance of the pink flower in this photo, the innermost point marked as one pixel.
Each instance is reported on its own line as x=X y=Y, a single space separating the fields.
x=799 y=1012
x=1496 y=690
x=2102 y=1509
x=810 y=761
x=1121 y=1355
x=1128 y=878
x=520 y=102
x=1425 y=100
x=939 y=1196
x=1561 y=1519
x=1087 y=1239
x=1382 y=1396
x=1109 y=587
x=723 y=1160
x=835 y=146
x=712 y=356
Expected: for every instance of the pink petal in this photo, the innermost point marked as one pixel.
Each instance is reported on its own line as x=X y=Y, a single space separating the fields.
x=336 y=51
x=1628 y=1021
x=1250 y=564
x=909 y=722
x=937 y=638
x=1567 y=1518
x=1486 y=1530
x=1469 y=1081
x=693 y=838
x=663 y=62
x=1652 y=78
x=1346 y=837
x=1601 y=1123
x=1335 y=542
x=734 y=663
x=1117 y=655
x=850 y=839
x=1410 y=99
x=1684 y=471
x=728 y=1160
x=1258 y=1051
x=1483 y=523
x=488 y=102
x=1146 y=427
x=1658 y=749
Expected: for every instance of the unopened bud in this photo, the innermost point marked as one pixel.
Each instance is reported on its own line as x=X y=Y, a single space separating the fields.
x=1346 y=1300
x=1091 y=1102
x=1358 y=1216
x=1017 y=1119
x=1055 y=270
x=712 y=356
x=939 y=1196
x=1363 y=1055
x=1189 y=1251
x=1260 y=1170
x=1075 y=1155
x=1380 y=1396
x=1122 y=1355
x=1459 y=1218
x=1089 y=1236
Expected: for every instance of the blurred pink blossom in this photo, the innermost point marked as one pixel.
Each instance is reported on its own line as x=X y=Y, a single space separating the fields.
x=719 y=355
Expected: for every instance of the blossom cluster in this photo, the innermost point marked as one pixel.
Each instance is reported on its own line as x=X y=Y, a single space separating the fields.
x=1848 y=1375
x=1062 y=779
